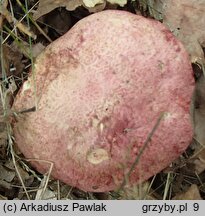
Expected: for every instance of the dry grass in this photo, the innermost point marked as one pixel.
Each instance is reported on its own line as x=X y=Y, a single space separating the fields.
x=29 y=184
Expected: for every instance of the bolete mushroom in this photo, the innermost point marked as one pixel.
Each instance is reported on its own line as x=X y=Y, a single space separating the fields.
x=98 y=91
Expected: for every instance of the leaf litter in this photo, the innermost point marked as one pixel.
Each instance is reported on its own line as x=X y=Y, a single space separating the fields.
x=184 y=18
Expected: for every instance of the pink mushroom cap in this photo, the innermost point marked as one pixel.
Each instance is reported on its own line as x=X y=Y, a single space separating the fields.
x=98 y=92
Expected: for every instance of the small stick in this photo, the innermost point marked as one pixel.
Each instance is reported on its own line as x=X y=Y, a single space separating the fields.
x=32 y=109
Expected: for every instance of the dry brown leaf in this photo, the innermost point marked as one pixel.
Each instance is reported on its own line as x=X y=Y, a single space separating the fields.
x=118 y=2
x=49 y=195
x=11 y=60
x=46 y=6
x=6 y=173
x=92 y=3
x=3 y=141
x=5 y=185
x=198 y=111
x=2 y=5
x=191 y=194
x=199 y=161
x=9 y=165
x=186 y=19
x=154 y=8
x=96 y=8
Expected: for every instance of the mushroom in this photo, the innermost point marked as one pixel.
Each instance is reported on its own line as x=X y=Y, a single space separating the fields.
x=98 y=92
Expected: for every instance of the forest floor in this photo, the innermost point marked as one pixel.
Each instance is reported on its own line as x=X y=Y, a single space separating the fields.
x=26 y=28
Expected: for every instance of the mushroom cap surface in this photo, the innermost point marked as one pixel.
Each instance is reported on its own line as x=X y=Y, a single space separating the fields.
x=99 y=90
